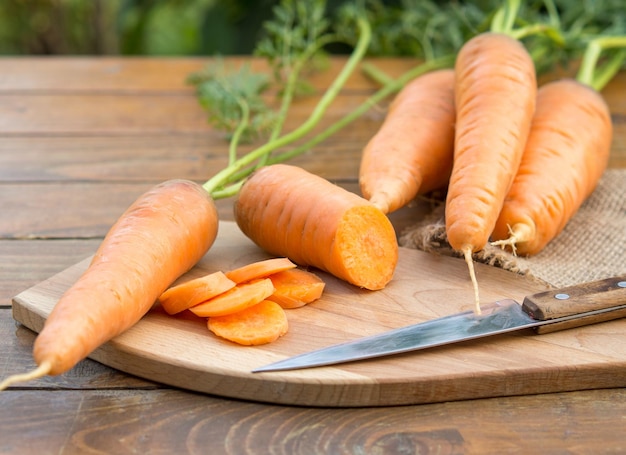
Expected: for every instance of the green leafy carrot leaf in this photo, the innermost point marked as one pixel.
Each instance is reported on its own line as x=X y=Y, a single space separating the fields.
x=228 y=95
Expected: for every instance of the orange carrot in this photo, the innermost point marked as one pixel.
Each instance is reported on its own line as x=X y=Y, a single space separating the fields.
x=185 y=295
x=495 y=88
x=566 y=154
x=259 y=269
x=412 y=151
x=262 y=323
x=236 y=299
x=159 y=237
x=290 y=212
x=295 y=288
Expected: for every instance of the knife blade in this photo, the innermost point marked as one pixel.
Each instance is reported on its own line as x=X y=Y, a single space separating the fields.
x=547 y=311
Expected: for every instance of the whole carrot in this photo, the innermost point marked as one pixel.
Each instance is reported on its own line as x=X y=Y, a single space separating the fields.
x=159 y=237
x=412 y=151
x=495 y=89
x=567 y=152
x=290 y=212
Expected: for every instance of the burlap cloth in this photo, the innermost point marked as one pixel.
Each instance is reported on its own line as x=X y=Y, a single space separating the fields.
x=591 y=247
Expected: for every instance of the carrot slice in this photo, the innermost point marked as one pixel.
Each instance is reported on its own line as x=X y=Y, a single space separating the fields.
x=262 y=323
x=185 y=295
x=236 y=299
x=260 y=269
x=295 y=288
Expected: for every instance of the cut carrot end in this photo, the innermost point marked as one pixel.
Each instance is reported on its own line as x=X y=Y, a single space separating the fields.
x=262 y=323
x=260 y=269
x=190 y=293
x=365 y=248
x=467 y=253
x=295 y=288
x=236 y=299
x=41 y=371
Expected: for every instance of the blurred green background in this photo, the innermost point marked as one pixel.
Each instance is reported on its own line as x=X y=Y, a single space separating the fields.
x=132 y=27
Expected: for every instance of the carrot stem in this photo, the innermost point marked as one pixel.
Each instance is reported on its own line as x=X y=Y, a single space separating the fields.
x=589 y=73
x=376 y=74
x=213 y=184
x=381 y=94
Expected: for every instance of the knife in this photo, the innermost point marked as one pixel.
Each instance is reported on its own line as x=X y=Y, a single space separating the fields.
x=545 y=312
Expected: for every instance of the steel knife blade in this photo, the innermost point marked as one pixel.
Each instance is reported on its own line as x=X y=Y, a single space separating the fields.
x=547 y=311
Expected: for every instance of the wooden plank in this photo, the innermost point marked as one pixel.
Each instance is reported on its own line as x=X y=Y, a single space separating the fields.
x=145 y=74
x=138 y=114
x=25 y=263
x=122 y=158
x=170 y=421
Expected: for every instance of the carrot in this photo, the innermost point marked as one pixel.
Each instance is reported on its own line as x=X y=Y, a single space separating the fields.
x=412 y=151
x=236 y=299
x=262 y=323
x=289 y=212
x=185 y=295
x=495 y=90
x=567 y=152
x=158 y=238
x=295 y=288
x=260 y=269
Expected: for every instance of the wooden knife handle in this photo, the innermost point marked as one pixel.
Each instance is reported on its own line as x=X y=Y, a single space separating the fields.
x=583 y=298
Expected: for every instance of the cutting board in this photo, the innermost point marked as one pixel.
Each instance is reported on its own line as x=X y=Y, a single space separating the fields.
x=181 y=352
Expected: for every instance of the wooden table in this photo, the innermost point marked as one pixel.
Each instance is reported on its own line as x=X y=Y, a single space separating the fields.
x=81 y=138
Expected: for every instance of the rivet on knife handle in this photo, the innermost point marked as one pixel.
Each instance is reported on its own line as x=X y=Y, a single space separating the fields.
x=588 y=297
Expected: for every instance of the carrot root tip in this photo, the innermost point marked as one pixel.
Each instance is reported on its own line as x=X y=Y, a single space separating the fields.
x=38 y=372
x=467 y=254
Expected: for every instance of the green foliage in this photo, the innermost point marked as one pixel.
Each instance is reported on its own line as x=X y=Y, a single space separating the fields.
x=141 y=27
x=232 y=97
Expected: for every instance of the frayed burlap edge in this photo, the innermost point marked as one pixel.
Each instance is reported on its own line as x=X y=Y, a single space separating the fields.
x=591 y=247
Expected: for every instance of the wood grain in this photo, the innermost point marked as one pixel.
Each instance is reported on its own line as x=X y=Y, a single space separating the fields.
x=171 y=421
x=179 y=351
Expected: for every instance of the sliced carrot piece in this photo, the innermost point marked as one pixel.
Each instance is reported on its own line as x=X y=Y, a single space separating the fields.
x=236 y=299
x=185 y=295
x=260 y=269
x=295 y=288
x=259 y=324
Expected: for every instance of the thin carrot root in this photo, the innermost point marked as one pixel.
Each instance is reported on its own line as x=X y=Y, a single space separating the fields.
x=39 y=372
x=238 y=298
x=467 y=254
x=519 y=233
x=260 y=269
x=190 y=293
x=295 y=288
x=259 y=324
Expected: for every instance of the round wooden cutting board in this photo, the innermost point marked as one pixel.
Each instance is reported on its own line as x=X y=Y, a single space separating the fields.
x=180 y=351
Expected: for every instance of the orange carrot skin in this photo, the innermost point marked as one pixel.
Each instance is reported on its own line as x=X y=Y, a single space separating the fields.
x=159 y=237
x=412 y=151
x=290 y=212
x=566 y=154
x=495 y=90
